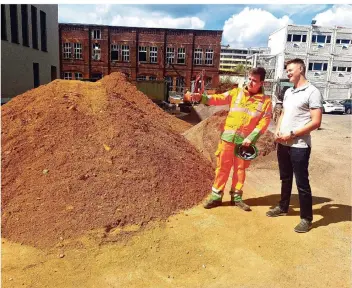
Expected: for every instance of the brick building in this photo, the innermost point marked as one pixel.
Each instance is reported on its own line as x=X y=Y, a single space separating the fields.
x=176 y=55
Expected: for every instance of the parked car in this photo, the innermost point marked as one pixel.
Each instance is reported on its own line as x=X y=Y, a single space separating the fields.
x=331 y=106
x=347 y=104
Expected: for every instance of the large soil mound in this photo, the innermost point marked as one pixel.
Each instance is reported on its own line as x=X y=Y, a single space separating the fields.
x=78 y=156
x=205 y=137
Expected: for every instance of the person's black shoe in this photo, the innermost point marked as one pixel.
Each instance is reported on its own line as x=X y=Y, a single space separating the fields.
x=212 y=203
x=275 y=212
x=304 y=226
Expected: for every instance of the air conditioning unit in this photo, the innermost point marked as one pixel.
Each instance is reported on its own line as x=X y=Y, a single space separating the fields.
x=96 y=57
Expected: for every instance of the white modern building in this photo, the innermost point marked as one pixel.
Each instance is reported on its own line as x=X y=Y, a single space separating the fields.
x=327 y=52
x=230 y=58
x=29 y=47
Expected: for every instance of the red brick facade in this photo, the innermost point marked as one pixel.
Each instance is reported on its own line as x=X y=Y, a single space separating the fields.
x=134 y=38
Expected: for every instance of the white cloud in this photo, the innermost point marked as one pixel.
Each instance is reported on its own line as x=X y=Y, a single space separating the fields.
x=339 y=15
x=126 y=15
x=158 y=21
x=251 y=27
x=293 y=9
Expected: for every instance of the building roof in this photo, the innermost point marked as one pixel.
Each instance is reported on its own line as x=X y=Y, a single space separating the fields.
x=309 y=26
x=140 y=28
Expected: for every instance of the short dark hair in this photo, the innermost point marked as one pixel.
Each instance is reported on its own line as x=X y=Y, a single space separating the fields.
x=297 y=61
x=258 y=71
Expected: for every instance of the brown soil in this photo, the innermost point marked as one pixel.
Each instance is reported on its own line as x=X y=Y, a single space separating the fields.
x=205 y=136
x=78 y=156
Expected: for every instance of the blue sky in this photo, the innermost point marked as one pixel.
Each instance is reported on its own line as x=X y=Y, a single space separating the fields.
x=242 y=25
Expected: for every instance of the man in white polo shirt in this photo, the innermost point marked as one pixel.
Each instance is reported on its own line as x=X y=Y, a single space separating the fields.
x=301 y=114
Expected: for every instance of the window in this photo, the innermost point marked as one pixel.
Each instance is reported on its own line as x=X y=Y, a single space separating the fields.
x=181 y=55
x=96 y=54
x=296 y=38
x=318 y=66
x=343 y=41
x=34 y=27
x=96 y=34
x=142 y=54
x=97 y=75
x=67 y=50
x=53 y=73
x=77 y=50
x=198 y=54
x=341 y=69
x=209 y=56
x=169 y=83
x=67 y=75
x=114 y=52
x=14 y=23
x=208 y=82
x=153 y=54
x=321 y=39
x=152 y=78
x=170 y=54
x=125 y=53
x=141 y=78
x=78 y=76
x=24 y=16
x=36 y=81
x=43 y=31
x=3 y=23
x=180 y=84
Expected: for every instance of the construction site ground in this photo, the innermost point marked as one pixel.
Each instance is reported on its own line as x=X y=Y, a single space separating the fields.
x=222 y=247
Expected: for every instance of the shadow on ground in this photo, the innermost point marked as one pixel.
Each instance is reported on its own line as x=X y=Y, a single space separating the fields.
x=331 y=213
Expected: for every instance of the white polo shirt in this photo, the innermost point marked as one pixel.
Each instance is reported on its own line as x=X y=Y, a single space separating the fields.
x=297 y=104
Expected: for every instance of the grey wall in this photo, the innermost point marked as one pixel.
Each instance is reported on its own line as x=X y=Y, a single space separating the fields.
x=17 y=60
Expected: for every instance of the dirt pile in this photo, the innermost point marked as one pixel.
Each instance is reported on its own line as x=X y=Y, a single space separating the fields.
x=201 y=112
x=78 y=156
x=205 y=137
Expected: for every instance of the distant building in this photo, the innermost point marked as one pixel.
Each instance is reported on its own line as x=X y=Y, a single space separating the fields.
x=29 y=47
x=327 y=52
x=176 y=55
x=231 y=58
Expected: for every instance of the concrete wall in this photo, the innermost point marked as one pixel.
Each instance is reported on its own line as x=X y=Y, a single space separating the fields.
x=277 y=41
x=17 y=60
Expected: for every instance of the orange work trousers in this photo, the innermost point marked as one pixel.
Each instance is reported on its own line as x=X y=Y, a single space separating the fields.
x=226 y=159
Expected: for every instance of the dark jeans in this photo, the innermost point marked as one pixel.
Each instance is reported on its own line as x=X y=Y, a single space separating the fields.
x=295 y=160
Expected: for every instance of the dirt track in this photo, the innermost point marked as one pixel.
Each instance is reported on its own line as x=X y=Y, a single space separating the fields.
x=223 y=247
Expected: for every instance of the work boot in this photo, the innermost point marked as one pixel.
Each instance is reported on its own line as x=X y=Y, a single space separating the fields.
x=214 y=200
x=275 y=212
x=303 y=226
x=236 y=200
